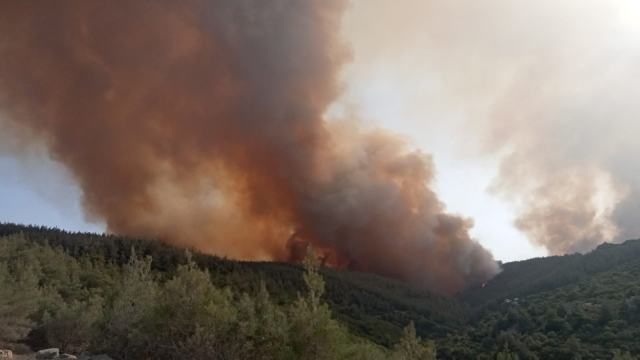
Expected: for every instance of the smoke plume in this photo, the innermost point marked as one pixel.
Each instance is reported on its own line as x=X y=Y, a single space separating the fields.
x=201 y=123
x=549 y=87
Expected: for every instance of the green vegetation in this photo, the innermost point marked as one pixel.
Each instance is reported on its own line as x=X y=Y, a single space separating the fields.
x=584 y=320
x=52 y=299
x=139 y=299
x=373 y=307
x=521 y=278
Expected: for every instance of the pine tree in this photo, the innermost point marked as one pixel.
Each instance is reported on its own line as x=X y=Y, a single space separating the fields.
x=313 y=279
x=314 y=334
x=70 y=328
x=194 y=319
x=19 y=291
x=506 y=354
x=411 y=347
x=124 y=327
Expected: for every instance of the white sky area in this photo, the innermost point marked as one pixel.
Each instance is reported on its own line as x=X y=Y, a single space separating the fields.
x=390 y=90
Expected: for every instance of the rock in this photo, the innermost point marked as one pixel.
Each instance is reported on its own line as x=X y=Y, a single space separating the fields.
x=47 y=353
x=67 y=356
x=6 y=355
x=85 y=356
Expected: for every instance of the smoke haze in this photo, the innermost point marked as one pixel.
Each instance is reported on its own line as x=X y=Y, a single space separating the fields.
x=549 y=87
x=201 y=123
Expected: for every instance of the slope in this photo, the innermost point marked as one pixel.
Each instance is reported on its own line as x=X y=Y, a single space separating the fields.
x=371 y=306
x=588 y=319
x=522 y=278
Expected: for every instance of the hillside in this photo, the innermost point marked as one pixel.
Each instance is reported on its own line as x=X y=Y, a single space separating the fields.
x=584 y=320
x=522 y=278
x=50 y=299
x=374 y=307
x=560 y=307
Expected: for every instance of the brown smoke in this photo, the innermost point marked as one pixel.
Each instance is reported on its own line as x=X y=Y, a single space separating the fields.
x=550 y=87
x=201 y=123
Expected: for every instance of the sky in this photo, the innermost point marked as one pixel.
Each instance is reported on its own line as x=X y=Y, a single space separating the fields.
x=396 y=92
x=446 y=77
x=526 y=107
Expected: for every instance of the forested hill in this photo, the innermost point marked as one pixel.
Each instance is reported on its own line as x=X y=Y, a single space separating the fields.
x=521 y=278
x=596 y=317
x=371 y=306
x=560 y=307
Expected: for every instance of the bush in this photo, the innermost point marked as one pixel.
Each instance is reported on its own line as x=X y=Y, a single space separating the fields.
x=70 y=328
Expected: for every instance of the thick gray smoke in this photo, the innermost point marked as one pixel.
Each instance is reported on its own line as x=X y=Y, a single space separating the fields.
x=202 y=123
x=548 y=86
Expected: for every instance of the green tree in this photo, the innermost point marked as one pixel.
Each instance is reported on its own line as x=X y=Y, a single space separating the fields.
x=314 y=334
x=194 y=319
x=411 y=347
x=618 y=355
x=19 y=291
x=506 y=354
x=124 y=330
x=313 y=279
x=262 y=328
x=70 y=328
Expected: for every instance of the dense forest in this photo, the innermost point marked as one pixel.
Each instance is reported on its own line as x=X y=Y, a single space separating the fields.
x=140 y=299
x=583 y=320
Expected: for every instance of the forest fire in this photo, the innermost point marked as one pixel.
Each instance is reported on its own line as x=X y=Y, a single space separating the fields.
x=202 y=124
